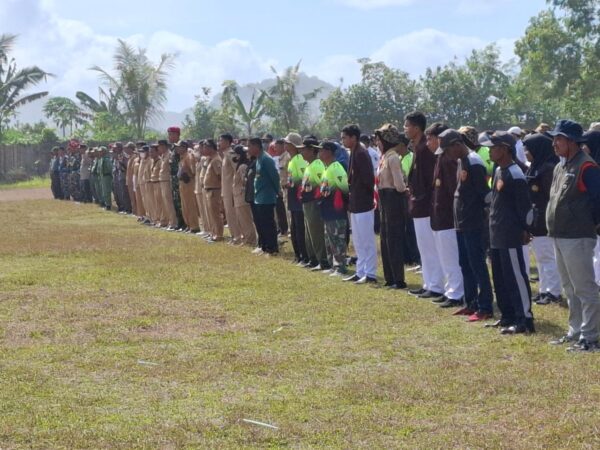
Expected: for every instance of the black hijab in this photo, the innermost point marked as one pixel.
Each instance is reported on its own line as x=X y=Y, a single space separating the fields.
x=540 y=147
x=592 y=140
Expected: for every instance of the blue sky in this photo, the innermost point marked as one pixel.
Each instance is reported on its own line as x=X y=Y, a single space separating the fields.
x=234 y=39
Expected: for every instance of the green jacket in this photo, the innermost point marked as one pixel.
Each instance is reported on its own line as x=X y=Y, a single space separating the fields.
x=266 y=181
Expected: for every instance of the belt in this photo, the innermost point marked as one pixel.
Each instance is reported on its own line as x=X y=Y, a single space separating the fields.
x=212 y=189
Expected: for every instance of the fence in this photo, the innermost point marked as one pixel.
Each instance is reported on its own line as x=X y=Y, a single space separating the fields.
x=31 y=159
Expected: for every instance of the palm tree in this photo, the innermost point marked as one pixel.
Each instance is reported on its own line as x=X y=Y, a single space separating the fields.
x=142 y=85
x=64 y=112
x=13 y=82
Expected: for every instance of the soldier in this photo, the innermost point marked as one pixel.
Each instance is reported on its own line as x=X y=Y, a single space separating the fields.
x=55 y=175
x=212 y=190
x=174 y=134
x=63 y=170
x=199 y=189
x=131 y=158
x=74 y=164
x=106 y=172
x=228 y=171
x=185 y=175
x=95 y=176
x=84 y=174
x=155 y=187
x=243 y=210
x=168 y=217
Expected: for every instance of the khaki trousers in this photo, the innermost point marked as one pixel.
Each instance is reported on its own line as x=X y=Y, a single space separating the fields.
x=189 y=209
x=213 y=206
x=158 y=204
x=244 y=215
x=168 y=215
x=201 y=203
x=140 y=210
x=148 y=199
x=132 y=198
x=231 y=217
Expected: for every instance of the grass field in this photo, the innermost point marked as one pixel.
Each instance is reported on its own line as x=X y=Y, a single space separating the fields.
x=33 y=183
x=114 y=335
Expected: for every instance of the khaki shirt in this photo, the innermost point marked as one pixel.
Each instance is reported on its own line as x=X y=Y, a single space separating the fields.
x=212 y=177
x=155 y=170
x=239 y=185
x=186 y=165
x=389 y=172
x=227 y=173
x=144 y=170
x=164 y=173
x=284 y=160
x=199 y=175
x=129 y=173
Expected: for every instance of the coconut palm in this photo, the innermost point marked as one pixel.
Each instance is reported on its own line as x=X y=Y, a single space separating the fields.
x=64 y=112
x=13 y=81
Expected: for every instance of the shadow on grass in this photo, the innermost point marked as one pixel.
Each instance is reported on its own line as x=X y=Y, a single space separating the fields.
x=547 y=328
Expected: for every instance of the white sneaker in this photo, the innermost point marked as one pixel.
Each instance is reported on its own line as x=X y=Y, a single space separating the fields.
x=257 y=250
x=316 y=268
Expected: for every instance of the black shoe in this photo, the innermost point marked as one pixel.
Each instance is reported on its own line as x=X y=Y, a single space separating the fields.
x=401 y=285
x=429 y=295
x=366 y=280
x=417 y=292
x=353 y=278
x=536 y=298
x=451 y=303
x=585 y=346
x=514 y=329
x=441 y=299
x=566 y=339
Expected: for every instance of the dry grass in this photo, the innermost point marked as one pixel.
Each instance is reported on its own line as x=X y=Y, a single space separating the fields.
x=113 y=335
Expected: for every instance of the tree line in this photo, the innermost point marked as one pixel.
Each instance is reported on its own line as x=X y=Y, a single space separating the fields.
x=555 y=75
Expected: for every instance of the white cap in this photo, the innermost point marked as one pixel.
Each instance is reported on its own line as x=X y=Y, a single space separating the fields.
x=515 y=130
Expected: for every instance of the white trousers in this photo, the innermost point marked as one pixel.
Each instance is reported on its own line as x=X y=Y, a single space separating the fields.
x=433 y=276
x=363 y=240
x=446 y=246
x=597 y=261
x=543 y=249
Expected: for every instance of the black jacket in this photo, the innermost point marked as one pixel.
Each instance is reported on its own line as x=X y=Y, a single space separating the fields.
x=361 y=179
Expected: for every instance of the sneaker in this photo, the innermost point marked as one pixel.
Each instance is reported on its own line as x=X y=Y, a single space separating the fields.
x=553 y=298
x=441 y=299
x=366 y=280
x=585 y=346
x=542 y=299
x=566 y=339
x=536 y=298
x=514 y=329
x=417 y=292
x=301 y=264
x=327 y=271
x=466 y=311
x=414 y=268
x=430 y=295
x=353 y=278
x=479 y=316
x=451 y=303
x=336 y=273
x=316 y=268
x=257 y=250
x=497 y=324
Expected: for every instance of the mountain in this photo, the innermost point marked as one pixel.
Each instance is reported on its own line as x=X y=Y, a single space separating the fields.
x=33 y=112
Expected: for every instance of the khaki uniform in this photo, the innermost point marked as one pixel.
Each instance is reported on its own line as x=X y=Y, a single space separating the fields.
x=140 y=210
x=146 y=187
x=129 y=182
x=201 y=166
x=155 y=191
x=168 y=214
x=284 y=161
x=242 y=208
x=189 y=208
x=227 y=174
x=212 y=192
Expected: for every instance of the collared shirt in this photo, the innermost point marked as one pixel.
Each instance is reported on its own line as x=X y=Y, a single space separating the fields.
x=389 y=172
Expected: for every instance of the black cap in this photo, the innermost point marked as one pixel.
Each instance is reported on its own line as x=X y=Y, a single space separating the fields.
x=328 y=145
x=498 y=138
x=163 y=142
x=449 y=137
x=311 y=141
x=569 y=129
x=145 y=148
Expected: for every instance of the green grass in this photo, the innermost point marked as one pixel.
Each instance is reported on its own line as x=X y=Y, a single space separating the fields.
x=33 y=183
x=114 y=335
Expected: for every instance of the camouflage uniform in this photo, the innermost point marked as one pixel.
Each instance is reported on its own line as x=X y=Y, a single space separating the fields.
x=74 y=185
x=116 y=188
x=55 y=178
x=335 y=241
x=63 y=164
x=175 y=158
x=106 y=180
x=95 y=180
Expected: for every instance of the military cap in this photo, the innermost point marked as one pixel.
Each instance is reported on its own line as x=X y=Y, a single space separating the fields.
x=173 y=130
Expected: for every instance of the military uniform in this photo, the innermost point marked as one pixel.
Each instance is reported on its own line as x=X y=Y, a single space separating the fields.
x=243 y=210
x=74 y=164
x=106 y=180
x=168 y=215
x=227 y=174
x=55 y=178
x=175 y=191
x=212 y=191
x=189 y=208
x=63 y=170
x=95 y=179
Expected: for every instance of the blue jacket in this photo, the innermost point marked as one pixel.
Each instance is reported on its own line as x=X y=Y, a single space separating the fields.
x=266 y=180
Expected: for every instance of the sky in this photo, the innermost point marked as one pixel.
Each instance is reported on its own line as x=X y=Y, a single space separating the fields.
x=241 y=40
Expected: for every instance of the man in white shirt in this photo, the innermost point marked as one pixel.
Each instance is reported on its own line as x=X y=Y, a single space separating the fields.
x=518 y=134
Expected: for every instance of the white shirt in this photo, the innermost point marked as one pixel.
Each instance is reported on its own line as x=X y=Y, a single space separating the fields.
x=374 y=154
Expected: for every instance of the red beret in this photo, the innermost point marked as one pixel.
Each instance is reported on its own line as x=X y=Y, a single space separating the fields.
x=173 y=130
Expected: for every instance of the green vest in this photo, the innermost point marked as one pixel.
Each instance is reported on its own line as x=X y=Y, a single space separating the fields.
x=569 y=214
x=296 y=168
x=406 y=164
x=334 y=178
x=313 y=174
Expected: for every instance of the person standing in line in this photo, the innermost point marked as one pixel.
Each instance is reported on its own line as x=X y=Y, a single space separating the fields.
x=106 y=178
x=592 y=148
x=55 y=174
x=266 y=188
x=74 y=164
x=185 y=174
x=393 y=205
x=469 y=222
x=96 y=177
x=420 y=185
x=295 y=173
x=540 y=154
x=63 y=170
x=168 y=217
x=140 y=210
x=242 y=208
x=84 y=174
x=361 y=204
x=199 y=190
x=510 y=218
x=442 y=219
x=212 y=190
x=228 y=171
x=155 y=183
x=573 y=222
x=131 y=157
x=281 y=158
x=311 y=196
x=146 y=186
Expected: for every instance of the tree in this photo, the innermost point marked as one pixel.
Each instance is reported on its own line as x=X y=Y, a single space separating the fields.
x=474 y=93
x=202 y=123
x=13 y=81
x=249 y=117
x=142 y=86
x=64 y=112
